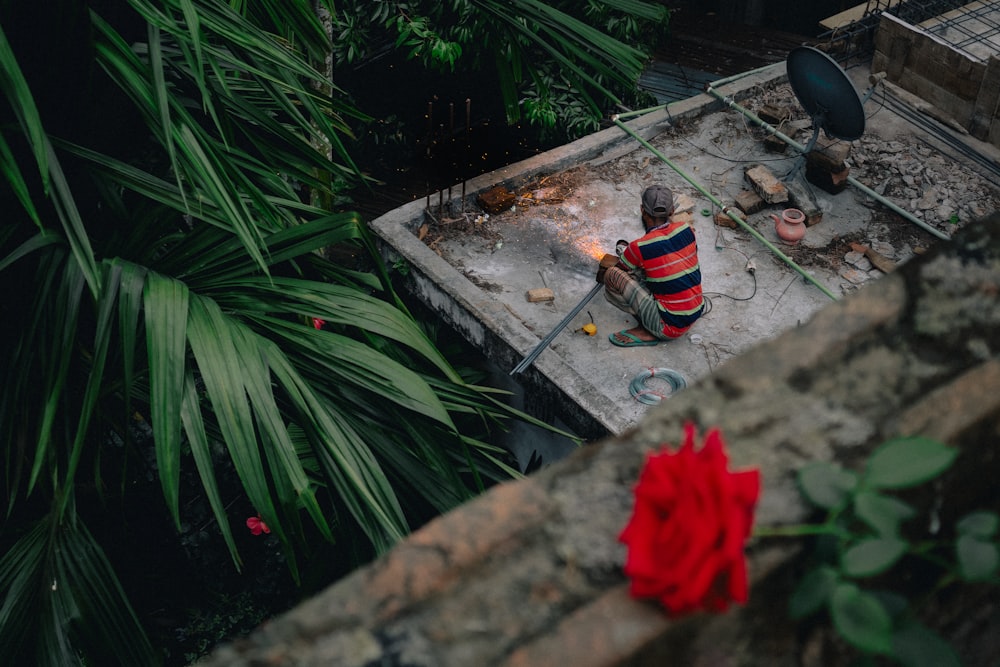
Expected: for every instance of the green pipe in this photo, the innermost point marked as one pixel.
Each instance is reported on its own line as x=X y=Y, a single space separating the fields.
x=740 y=75
x=640 y=112
x=727 y=210
x=850 y=179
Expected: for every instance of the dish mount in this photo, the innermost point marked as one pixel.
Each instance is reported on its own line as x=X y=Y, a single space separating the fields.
x=826 y=93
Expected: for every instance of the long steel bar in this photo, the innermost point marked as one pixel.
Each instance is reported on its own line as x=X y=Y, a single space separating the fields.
x=530 y=359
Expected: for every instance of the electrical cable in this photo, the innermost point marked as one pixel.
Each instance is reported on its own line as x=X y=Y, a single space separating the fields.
x=736 y=298
x=749 y=268
x=641 y=391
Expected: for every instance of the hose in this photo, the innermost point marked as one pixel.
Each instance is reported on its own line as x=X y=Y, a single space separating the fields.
x=641 y=391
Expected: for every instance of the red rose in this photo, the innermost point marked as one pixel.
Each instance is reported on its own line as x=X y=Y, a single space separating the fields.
x=690 y=521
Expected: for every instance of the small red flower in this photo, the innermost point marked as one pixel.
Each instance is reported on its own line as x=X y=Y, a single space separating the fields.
x=257 y=525
x=318 y=323
x=691 y=519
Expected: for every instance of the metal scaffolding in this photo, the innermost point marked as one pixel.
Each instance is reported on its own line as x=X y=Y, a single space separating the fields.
x=973 y=28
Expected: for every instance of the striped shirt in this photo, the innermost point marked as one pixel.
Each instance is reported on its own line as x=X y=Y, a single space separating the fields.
x=668 y=256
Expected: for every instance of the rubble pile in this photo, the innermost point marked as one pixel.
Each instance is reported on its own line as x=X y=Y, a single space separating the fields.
x=934 y=188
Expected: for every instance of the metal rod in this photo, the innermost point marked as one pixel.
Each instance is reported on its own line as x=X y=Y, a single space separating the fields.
x=528 y=360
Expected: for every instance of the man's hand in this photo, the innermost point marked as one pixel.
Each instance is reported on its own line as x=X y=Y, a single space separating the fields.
x=606 y=263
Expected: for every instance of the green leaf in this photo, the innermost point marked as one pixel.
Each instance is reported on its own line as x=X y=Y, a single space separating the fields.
x=916 y=645
x=166 y=308
x=861 y=620
x=813 y=591
x=15 y=89
x=220 y=368
x=882 y=513
x=827 y=485
x=978 y=524
x=905 y=462
x=872 y=556
x=201 y=451
x=977 y=559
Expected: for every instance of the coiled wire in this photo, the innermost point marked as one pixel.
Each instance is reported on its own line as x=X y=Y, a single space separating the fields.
x=641 y=392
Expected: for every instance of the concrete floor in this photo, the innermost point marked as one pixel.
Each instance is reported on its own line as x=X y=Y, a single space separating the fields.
x=574 y=202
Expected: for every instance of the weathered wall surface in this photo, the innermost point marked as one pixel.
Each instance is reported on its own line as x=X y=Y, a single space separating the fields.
x=961 y=87
x=530 y=573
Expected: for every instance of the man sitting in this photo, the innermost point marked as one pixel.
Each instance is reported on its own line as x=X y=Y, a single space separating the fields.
x=657 y=278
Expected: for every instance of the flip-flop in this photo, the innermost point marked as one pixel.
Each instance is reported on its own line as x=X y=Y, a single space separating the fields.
x=634 y=341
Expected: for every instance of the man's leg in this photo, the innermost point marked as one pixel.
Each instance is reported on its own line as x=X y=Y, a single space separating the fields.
x=626 y=293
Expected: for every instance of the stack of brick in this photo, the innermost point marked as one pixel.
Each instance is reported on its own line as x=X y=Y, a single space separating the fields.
x=826 y=165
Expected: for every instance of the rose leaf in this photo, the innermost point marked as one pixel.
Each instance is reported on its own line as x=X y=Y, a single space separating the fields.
x=904 y=462
x=977 y=559
x=978 y=524
x=882 y=513
x=826 y=485
x=861 y=620
x=813 y=591
x=872 y=556
x=916 y=645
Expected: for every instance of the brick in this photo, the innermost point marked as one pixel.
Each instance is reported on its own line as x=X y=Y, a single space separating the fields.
x=749 y=202
x=723 y=220
x=833 y=182
x=682 y=217
x=829 y=154
x=540 y=294
x=766 y=184
x=495 y=200
x=775 y=145
x=774 y=114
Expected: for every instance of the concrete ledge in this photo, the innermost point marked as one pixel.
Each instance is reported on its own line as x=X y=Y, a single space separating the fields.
x=530 y=573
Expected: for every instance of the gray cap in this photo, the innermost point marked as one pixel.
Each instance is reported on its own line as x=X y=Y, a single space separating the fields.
x=658 y=201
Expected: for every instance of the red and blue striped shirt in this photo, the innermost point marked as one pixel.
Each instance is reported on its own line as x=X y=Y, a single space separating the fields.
x=668 y=256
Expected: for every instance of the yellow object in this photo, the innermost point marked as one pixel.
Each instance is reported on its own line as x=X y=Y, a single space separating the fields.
x=590 y=329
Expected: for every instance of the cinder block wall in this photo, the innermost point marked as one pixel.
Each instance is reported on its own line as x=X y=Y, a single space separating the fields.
x=962 y=88
x=530 y=573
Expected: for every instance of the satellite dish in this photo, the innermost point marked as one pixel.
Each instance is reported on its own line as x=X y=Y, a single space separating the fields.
x=826 y=93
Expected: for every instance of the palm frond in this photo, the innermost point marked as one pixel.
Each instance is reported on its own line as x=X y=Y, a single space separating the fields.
x=59 y=584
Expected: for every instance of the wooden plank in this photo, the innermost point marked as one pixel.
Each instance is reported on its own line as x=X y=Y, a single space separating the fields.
x=849 y=16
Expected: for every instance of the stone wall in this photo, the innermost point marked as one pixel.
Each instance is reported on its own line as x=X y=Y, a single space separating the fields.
x=530 y=573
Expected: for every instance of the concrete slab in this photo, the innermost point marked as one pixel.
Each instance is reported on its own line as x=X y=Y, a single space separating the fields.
x=572 y=204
